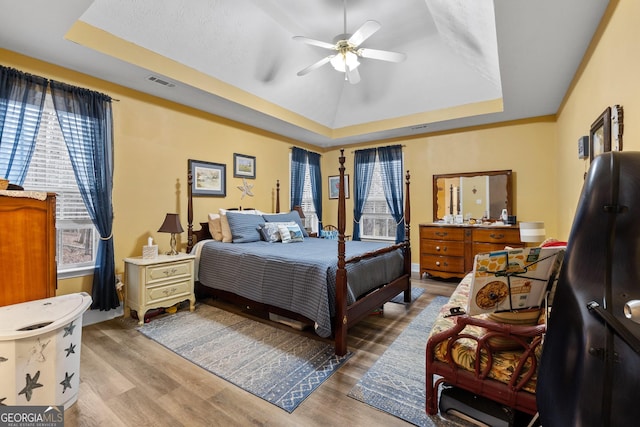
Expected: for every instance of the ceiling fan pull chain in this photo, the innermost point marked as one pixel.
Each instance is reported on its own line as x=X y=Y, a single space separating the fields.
x=345 y=17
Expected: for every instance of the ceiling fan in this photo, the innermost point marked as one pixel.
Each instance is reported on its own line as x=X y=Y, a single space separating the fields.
x=348 y=50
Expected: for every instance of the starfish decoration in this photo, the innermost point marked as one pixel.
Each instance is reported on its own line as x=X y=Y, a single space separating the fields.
x=2 y=400
x=68 y=330
x=38 y=351
x=70 y=350
x=3 y=359
x=66 y=383
x=245 y=188
x=31 y=384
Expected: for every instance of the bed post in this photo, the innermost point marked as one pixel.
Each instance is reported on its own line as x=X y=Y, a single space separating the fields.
x=341 y=274
x=407 y=236
x=189 y=212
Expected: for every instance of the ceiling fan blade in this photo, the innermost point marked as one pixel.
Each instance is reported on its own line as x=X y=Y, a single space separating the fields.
x=316 y=65
x=313 y=42
x=353 y=75
x=364 y=32
x=383 y=55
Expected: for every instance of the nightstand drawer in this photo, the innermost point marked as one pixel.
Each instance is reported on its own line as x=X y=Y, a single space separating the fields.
x=174 y=289
x=442 y=247
x=162 y=272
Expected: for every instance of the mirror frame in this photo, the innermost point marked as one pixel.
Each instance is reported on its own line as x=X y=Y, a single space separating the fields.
x=507 y=172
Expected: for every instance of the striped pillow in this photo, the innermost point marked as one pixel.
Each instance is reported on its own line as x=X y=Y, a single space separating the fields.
x=244 y=227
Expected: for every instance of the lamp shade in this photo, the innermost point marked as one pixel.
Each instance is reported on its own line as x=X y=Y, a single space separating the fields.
x=532 y=231
x=171 y=224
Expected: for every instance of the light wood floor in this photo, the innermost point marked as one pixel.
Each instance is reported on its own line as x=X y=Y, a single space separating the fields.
x=130 y=380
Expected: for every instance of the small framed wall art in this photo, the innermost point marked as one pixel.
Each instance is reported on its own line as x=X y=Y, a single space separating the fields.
x=244 y=166
x=334 y=186
x=208 y=179
x=600 y=134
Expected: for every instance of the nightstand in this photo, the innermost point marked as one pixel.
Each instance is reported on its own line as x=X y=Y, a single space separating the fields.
x=159 y=282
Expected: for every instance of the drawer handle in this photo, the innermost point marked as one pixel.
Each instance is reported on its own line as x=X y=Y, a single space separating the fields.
x=441 y=233
x=438 y=263
x=497 y=236
x=438 y=248
x=170 y=272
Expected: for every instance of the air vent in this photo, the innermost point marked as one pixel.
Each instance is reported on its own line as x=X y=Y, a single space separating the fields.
x=160 y=81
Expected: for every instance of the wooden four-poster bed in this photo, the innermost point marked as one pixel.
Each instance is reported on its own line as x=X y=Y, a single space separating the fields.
x=308 y=286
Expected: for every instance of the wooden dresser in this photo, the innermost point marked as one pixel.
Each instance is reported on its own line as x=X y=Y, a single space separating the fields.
x=448 y=250
x=27 y=248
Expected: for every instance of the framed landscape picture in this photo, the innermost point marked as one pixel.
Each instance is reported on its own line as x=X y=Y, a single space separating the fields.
x=209 y=179
x=244 y=166
x=334 y=182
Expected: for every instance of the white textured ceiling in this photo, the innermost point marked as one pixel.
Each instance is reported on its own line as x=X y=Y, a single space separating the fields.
x=508 y=59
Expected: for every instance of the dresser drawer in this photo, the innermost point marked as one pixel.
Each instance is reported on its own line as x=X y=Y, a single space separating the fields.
x=162 y=272
x=168 y=291
x=442 y=233
x=442 y=263
x=480 y=248
x=500 y=235
x=442 y=247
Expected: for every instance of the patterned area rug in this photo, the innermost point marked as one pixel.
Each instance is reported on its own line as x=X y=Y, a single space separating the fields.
x=276 y=365
x=415 y=293
x=396 y=382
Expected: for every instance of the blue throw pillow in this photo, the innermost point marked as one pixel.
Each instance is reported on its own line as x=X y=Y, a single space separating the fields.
x=286 y=217
x=244 y=227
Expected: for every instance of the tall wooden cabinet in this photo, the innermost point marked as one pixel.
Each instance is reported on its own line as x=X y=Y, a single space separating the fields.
x=448 y=250
x=27 y=248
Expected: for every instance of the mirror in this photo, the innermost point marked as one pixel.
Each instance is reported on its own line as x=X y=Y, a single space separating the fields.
x=473 y=194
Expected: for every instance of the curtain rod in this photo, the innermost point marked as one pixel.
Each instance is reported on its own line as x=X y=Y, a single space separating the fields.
x=403 y=146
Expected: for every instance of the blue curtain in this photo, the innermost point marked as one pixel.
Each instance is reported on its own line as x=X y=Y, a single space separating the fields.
x=316 y=184
x=86 y=121
x=298 y=169
x=391 y=172
x=363 y=163
x=21 y=104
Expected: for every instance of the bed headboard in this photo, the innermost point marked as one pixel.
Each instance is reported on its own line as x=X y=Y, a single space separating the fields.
x=203 y=233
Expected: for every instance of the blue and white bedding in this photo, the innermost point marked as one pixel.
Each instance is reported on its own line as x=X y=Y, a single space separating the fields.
x=299 y=277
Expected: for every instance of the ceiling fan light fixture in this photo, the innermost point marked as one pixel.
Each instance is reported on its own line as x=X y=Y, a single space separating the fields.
x=345 y=60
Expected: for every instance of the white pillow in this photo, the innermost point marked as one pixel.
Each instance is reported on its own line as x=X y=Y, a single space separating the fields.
x=215 y=226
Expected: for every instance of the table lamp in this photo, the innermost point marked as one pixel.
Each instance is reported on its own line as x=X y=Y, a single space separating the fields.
x=171 y=225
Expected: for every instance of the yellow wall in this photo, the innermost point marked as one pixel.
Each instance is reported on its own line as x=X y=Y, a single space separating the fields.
x=608 y=76
x=527 y=147
x=154 y=139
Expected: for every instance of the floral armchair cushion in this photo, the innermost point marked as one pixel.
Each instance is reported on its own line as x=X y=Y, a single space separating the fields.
x=463 y=351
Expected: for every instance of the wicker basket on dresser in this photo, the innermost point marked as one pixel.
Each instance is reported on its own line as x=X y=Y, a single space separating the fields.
x=448 y=250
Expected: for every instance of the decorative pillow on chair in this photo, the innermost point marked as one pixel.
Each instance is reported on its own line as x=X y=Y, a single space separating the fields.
x=329 y=234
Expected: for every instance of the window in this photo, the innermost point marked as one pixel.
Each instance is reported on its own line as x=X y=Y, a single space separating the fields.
x=308 y=208
x=50 y=169
x=376 y=221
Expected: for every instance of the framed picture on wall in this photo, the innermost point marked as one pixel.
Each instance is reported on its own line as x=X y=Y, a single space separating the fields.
x=244 y=166
x=600 y=134
x=208 y=179
x=334 y=186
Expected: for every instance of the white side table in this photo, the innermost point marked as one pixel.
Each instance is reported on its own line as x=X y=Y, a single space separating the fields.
x=159 y=282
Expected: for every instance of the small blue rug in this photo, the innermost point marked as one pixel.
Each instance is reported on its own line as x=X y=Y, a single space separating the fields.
x=396 y=382
x=415 y=293
x=274 y=364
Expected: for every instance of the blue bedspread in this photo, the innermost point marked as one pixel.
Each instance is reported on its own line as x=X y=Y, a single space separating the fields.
x=299 y=277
